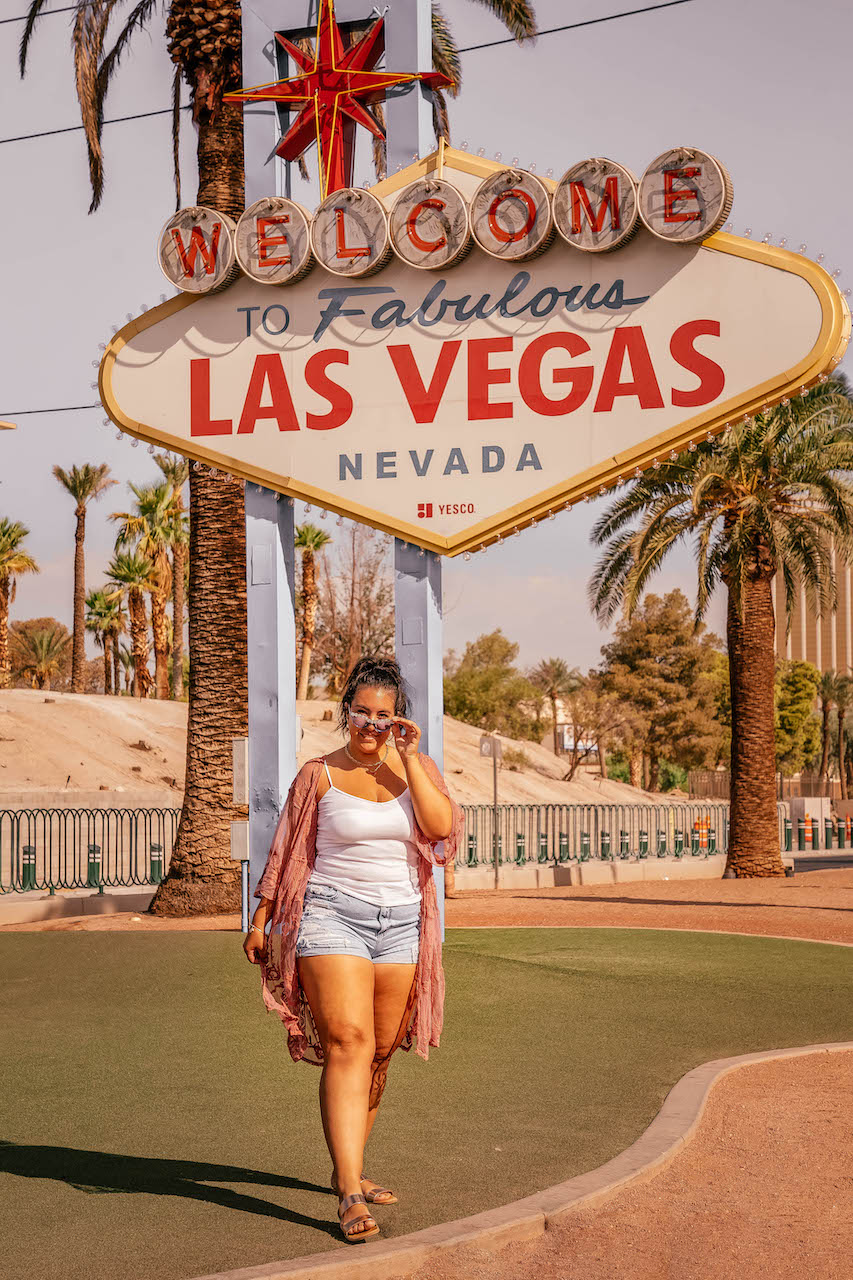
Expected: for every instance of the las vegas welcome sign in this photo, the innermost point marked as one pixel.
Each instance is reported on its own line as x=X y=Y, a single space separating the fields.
x=467 y=348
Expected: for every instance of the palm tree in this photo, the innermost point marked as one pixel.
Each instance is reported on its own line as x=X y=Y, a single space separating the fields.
x=131 y=574
x=309 y=540
x=37 y=652
x=827 y=692
x=557 y=681
x=770 y=496
x=99 y=610
x=125 y=657
x=84 y=484
x=149 y=529
x=14 y=561
x=843 y=698
x=176 y=470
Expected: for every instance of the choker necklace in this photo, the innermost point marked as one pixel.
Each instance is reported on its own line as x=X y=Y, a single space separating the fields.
x=371 y=768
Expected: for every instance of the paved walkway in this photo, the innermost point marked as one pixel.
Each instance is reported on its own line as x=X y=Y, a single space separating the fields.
x=765 y=1188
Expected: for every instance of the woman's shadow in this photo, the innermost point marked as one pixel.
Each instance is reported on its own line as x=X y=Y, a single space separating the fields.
x=101 y=1172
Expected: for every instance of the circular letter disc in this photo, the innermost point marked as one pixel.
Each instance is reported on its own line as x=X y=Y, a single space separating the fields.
x=429 y=224
x=511 y=215
x=273 y=241
x=349 y=234
x=685 y=195
x=595 y=205
x=196 y=250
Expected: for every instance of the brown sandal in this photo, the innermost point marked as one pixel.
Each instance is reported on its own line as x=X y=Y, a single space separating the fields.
x=351 y=1230
x=371 y=1197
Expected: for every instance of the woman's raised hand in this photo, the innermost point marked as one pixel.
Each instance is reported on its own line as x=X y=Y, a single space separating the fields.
x=406 y=742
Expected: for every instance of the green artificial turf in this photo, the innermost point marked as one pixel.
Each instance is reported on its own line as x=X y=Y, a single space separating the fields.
x=155 y=1127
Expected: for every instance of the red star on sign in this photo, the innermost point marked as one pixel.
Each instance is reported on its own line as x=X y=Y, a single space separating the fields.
x=333 y=95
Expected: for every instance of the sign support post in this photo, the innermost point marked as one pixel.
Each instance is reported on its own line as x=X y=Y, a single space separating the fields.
x=417 y=574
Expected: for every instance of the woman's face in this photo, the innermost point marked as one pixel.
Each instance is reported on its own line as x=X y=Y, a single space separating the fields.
x=373 y=704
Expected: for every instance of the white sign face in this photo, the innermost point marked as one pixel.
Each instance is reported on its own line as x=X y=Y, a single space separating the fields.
x=349 y=234
x=449 y=409
x=196 y=250
x=429 y=225
x=511 y=215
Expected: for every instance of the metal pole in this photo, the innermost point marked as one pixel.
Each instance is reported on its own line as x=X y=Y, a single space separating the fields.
x=417 y=575
x=495 y=839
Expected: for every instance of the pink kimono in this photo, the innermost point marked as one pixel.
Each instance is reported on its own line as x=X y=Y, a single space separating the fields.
x=289 y=865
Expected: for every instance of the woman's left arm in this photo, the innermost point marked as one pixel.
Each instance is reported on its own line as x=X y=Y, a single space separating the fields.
x=432 y=809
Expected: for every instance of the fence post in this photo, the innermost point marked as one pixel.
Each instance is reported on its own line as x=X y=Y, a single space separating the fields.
x=563 y=846
x=93 y=878
x=787 y=829
x=839 y=826
x=605 y=845
x=827 y=833
x=679 y=842
x=801 y=834
x=543 y=846
x=28 y=867
x=584 y=846
x=156 y=864
x=624 y=844
x=643 y=851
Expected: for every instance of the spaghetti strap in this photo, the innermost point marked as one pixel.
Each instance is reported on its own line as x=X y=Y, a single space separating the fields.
x=328 y=775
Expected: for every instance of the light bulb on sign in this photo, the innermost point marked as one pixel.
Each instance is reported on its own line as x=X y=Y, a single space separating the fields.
x=481 y=151
x=765 y=239
x=464 y=144
x=134 y=444
x=515 y=162
x=150 y=448
x=656 y=464
x=820 y=257
x=552 y=515
x=467 y=555
x=101 y=346
x=516 y=533
x=549 y=173
x=783 y=242
x=339 y=521
x=119 y=435
x=499 y=155
x=672 y=455
x=421 y=551
x=323 y=515
x=802 y=248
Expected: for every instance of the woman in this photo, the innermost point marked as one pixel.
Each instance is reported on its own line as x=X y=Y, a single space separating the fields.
x=355 y=970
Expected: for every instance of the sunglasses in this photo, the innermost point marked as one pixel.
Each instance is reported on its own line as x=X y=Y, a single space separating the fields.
x=360 y=721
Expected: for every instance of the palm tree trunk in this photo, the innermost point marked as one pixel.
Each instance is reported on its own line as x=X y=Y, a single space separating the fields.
x=754 y=831
x=824 y=759
x=139 y=643
x=5 y=667
x=78 y=646
x=178 y=559
x=554 y=719
x=635 y=769
x=160 y=632
x=309 y=620
x=116 y=666
x=108 y=670
x=202 y=878
x=842 y=772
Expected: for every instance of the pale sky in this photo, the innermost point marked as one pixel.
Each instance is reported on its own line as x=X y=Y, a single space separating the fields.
x=762 y=85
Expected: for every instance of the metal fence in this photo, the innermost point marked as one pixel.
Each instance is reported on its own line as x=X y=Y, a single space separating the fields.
x=51 y=849
x=714 y=784
x=575 y=832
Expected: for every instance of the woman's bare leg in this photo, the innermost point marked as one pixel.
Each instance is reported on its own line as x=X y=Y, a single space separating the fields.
x=340 y=991
x=392 y=985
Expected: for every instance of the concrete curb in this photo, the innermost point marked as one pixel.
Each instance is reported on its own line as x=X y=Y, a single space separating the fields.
x=671 y=1129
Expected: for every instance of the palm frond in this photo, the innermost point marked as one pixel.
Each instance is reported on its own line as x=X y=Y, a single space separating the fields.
x=29 y=26
x=445 y=51
x=516 y=15
x=176 y=134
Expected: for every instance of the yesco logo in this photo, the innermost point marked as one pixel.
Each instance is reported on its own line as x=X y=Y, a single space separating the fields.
x=425 y=509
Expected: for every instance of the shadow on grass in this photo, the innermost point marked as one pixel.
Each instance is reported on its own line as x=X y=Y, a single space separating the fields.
x=102 y=1172
x=676 y=903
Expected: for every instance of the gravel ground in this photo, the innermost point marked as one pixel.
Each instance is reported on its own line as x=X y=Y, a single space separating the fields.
x=765 y=1188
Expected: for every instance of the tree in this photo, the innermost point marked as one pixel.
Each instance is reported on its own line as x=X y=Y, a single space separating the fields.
x=85 y=484
x=37 y=651
x=125 y=654
x=149 y=530
x=827 y=693
x=14 y=561
x=176 y=470
x=843 y=699
x=768 y=497
x=131 y=575
x=486 y=689
x=355 y=605
x=100 y=611
x=309 y=540
x=556 y=681
x=797 y=727
x=659 y=665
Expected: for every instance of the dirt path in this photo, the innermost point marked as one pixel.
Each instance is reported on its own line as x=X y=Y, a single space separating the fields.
x=765 y=1188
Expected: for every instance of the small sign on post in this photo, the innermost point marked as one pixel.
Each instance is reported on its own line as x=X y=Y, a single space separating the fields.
x=490 y=745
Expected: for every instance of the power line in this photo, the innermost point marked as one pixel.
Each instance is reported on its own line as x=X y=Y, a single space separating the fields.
x=22 y=17
x=67 y=408
x=74 y=128
x=572 y=26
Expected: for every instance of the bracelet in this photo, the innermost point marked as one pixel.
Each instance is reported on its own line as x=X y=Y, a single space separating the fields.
x=256 y=926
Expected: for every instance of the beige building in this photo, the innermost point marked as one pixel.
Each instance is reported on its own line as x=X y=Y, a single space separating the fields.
x=826 y=642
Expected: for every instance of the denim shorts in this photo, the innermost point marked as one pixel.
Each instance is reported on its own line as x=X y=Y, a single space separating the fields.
x=336 y=923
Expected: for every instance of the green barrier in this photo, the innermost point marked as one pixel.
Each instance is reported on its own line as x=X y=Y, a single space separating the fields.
x=712 y=840
x=605 y=845
x=679 y=842
x=695 y=846
x=661 y=844
x=471 y=854
x=827 y=833
x=643 y=851
x=564 y=846
x=519 y=848
x=28 y=867
x=584 y=846
x=543 y=847
x=786 y=826
x=624 y=844
x=93 y=879
x=156 y=863
x=840 y=828
x=801 y=834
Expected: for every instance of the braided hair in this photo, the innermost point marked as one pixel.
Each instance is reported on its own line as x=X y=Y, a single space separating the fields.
x=378 y=673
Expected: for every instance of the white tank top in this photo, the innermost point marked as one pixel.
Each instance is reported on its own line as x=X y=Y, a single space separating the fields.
x=366 y=847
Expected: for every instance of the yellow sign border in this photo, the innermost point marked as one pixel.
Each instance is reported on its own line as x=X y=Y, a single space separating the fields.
x=825 y=355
